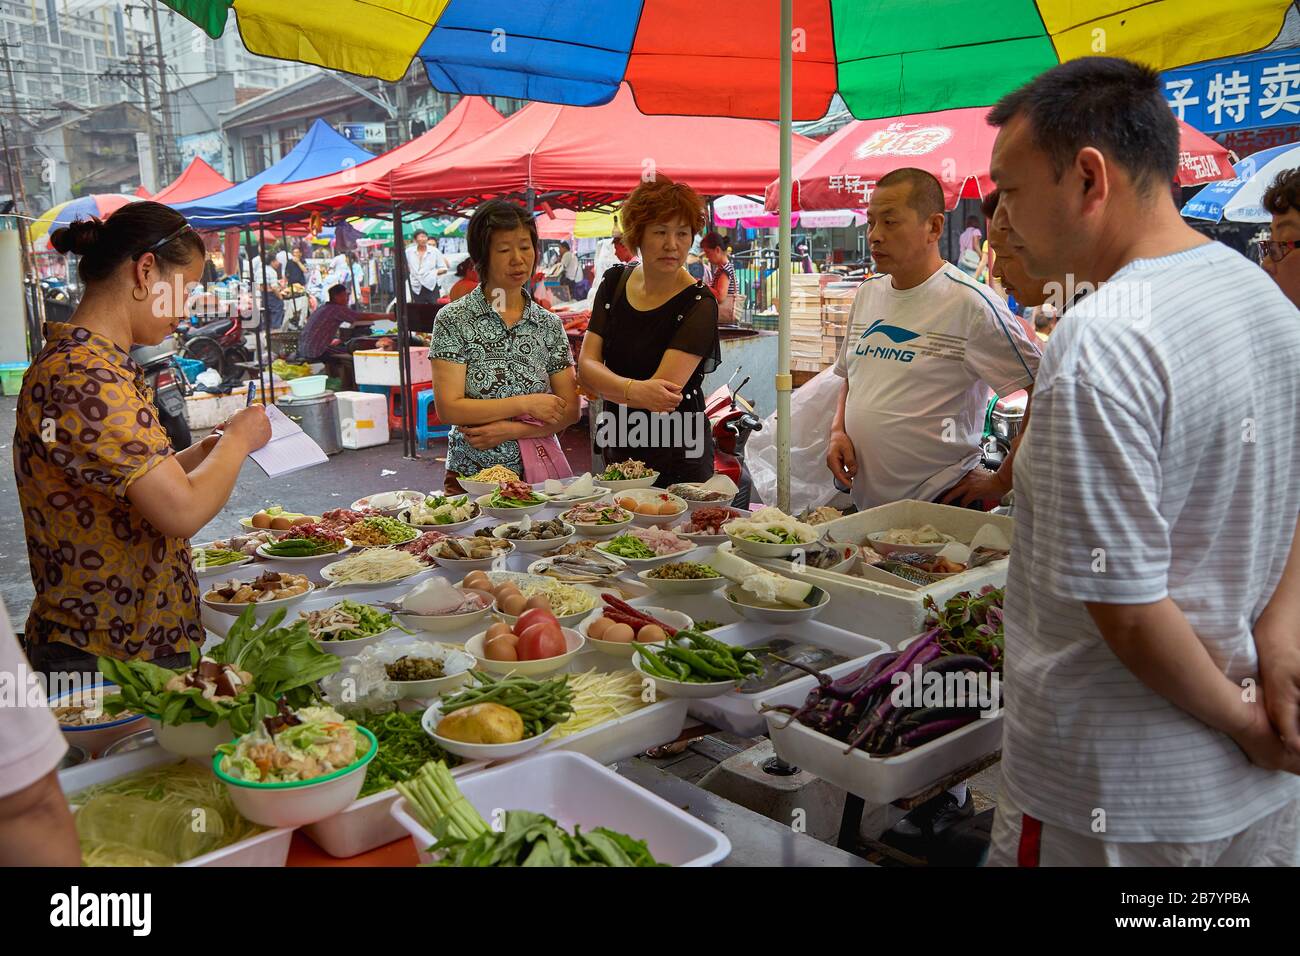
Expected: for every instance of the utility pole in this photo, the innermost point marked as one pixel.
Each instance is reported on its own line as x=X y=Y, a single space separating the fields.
x=33 y=300
x=156 y=179
x=169 y=139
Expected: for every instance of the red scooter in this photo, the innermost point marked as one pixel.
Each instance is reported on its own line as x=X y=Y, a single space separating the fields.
x=731 y=420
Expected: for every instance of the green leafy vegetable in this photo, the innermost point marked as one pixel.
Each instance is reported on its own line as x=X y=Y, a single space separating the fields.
x=404 y=748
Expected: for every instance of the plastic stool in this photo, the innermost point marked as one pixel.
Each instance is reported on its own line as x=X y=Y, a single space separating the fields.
x=427 y=424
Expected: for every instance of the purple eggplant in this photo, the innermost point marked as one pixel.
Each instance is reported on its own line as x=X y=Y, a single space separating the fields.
x=936 y=728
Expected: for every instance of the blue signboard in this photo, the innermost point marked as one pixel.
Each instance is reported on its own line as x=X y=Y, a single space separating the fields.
x=1244 y=92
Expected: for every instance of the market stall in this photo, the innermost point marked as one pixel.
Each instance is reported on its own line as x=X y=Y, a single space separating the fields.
x=505 y=644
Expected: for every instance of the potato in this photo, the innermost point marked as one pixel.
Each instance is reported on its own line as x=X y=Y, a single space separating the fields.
x=261 y=520
x=482 y=724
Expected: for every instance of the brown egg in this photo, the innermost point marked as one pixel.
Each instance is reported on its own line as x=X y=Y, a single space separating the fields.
x=499 y=629
x=281 y=523
x=538 y=600
x=627 y=502
x=598 y=627
x=305 y=519
x=513 y=604
x=478 y=581
x=261 y=520
x=651 y=634
x=668 y=508
x=618 y=634
x=505 y=590
x=500 y=649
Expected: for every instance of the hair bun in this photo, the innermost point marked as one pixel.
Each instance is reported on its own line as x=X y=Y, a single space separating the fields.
x=80 y=237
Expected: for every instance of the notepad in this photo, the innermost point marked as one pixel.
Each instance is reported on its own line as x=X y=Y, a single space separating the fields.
x=290 y=448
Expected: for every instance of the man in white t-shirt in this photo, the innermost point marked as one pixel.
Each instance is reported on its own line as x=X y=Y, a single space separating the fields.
x=926 y=345
x=36 y=827
x=570 y=270
x=1152 y=675
x=425 y=266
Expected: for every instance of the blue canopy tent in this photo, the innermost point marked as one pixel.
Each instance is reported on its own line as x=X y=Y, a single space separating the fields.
x=320 y=152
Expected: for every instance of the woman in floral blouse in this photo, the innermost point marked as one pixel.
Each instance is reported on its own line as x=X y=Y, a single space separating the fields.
x=498 y=356
x=107 y=507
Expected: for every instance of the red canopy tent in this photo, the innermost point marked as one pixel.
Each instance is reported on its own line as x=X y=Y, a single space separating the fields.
x=577 y=157
x=364 y=188
x=199 y=179
x=956 y=146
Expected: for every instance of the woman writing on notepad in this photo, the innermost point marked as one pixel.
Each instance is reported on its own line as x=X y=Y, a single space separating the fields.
x=108 y=508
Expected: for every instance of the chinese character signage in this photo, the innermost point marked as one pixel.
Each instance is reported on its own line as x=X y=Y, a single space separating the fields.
x=1241 y=93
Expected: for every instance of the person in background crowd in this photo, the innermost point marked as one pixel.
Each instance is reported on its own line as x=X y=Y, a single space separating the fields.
x=1045 y=319
x=108 y=508
x=1129 y=738
x=294 y=270
x=1008 y=276
x=317 y=283
x=498 y=356
x=621 y=250
x=36 y=826
x=296 y=306
x=1282 y=202
x=653 y=334
x=322 y=328
x=425 y=265
x=926 y=345
x=466 y=279
x=805 y=259
x=570 y=270
x=721 y=277
x=210 y=273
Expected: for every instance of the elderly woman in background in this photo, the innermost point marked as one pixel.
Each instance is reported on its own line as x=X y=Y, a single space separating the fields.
x=652 y=338
x=502 y=370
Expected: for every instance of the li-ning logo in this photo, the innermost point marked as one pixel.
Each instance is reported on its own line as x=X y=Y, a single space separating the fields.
x=895 y=334
x=896 y=140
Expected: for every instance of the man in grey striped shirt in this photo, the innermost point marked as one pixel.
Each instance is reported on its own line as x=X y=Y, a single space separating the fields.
x=1153 y=602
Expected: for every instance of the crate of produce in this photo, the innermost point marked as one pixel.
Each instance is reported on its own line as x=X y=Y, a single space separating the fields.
x=264 y=848
x=881 y=605
x=574 y=790
x=381 y=366
x=877 y=780
x=11 y=377
x=737 y=711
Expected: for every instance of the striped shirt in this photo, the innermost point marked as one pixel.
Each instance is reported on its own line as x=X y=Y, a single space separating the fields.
x=1160 y=461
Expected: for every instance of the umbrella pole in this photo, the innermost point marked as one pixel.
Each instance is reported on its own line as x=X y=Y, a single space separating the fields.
x=403 y=345
x=783 y=380
x=264 y=376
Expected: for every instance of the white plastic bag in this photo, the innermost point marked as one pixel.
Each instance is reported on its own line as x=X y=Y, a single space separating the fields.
x=812 y=409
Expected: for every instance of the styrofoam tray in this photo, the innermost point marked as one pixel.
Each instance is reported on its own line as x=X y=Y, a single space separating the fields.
x=877 y=780
x=368 y=823
x=738 y=712
x=635 y=733
x=575 y=790
x=269 y=848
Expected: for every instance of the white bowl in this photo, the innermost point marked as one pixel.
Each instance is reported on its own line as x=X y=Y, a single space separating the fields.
x=706 y=539
x=566 y=620
x=631 y=483
x=426 y=689
x=477 y=488
x=507 y=514
x=650 y=562
x=441 y=623
x=262 y=609
x=95 y=737
x=247 y=525
x=308 y=386
x=303 y=565
x=597 y=530
x=560 y=502
x=479 y=751
x=538 y=546
x=216 y=570
x=765 y=549
x=327 y=573
x=190 y=740
x=674 y=619
x=647 y=521
x=574 y=643
x=848 y=555
x=465 y=565
x=680 y=586
x=410 y=497
x=301 y=802
x=405 y=515
x=883 y=549
x=775 y=615
x=539 y=567
x=677 y=688
x=354 y=646
x=694 y=505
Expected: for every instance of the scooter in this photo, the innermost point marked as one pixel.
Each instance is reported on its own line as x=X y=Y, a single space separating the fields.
x=732 y=420
x=163 y=374
x=219 y=345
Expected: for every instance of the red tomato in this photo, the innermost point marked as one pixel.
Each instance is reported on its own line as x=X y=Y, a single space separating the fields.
x=542 y=640
x=532 y=616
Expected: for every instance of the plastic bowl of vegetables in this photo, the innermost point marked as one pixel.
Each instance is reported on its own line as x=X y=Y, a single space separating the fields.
x=210 y=561
x=390 y=503
x=512 y=501
x=682 y=577
x=277 y=802
x=597 y=519
x=616 y=476
x=770 y=534
x=82 y=720
x=443 y=513
x=346 y=627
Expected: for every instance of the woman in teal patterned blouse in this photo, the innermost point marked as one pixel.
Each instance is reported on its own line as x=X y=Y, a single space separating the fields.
x=497 y=355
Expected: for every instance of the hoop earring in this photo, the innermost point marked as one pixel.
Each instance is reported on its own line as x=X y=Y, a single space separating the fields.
x=144 y=294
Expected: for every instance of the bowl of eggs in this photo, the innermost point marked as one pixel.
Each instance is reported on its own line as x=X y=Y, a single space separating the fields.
x=498 y=651
x=650 y=506
x=569 y=603
x=616 y=638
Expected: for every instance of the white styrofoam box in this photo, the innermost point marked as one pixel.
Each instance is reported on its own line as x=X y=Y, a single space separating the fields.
x=368 y=823
x=738 y=712
x=268 y=848
x=894 y=613
x=368 y=414
x=877 y=780
x=204 y=410
x=574 y=790
x=632 y=734
x=381 y=366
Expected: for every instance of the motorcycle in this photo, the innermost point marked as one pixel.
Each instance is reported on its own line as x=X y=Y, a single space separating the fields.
x=163 y=374
x=732 y=420
x=219 y=344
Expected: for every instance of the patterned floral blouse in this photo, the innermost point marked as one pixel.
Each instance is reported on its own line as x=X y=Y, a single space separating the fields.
x=107 y=582
x=499 y=362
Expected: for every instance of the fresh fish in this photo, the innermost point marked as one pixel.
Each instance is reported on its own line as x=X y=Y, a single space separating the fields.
x=775 y=673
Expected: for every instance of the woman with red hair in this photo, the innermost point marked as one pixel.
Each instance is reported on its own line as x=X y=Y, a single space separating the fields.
x=653 y=337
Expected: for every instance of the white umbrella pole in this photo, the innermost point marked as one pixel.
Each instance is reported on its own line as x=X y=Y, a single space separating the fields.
x=783 y=381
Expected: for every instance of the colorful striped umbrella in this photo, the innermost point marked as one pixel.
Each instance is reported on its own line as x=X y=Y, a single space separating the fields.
x=96 y=204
